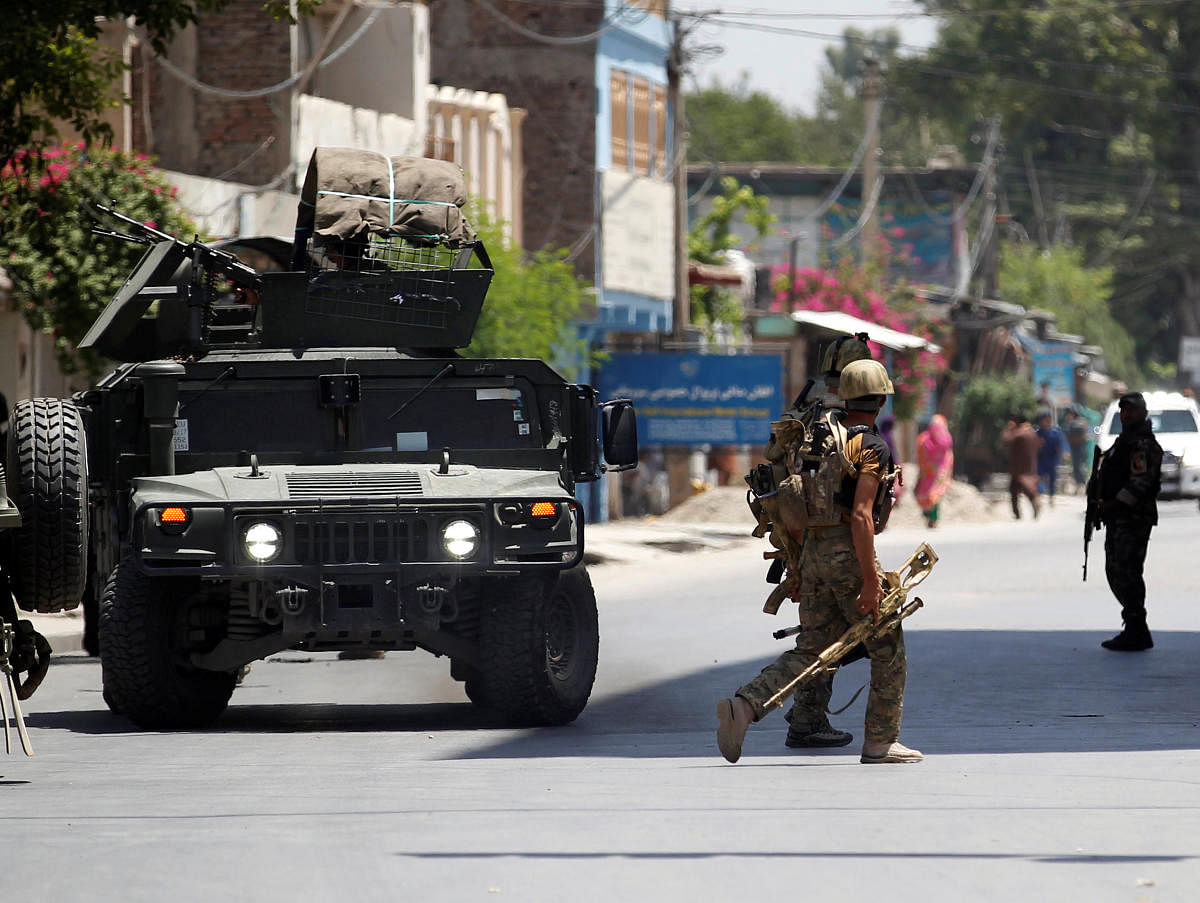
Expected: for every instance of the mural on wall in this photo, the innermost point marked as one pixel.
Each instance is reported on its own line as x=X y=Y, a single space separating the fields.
x=919 y=234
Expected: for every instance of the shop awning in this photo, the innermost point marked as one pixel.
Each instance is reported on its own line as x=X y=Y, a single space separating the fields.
x=838 y=322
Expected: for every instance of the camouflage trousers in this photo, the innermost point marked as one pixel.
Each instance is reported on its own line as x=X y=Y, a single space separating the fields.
x=1125 y=545
x=829 y=584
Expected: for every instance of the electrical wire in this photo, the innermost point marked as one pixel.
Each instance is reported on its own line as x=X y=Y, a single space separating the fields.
x=831 y=198
x=563 y=40
x=945 y=13
x=973 y=54
x=291 y=80
x=867 y=212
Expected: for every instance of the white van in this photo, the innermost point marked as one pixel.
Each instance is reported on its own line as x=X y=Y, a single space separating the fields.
x=1176 y=422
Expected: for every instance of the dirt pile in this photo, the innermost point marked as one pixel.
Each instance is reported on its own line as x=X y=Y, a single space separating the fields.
x=725 y=505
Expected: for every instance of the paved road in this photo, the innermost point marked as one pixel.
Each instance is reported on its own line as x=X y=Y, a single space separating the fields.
x=1056 y=770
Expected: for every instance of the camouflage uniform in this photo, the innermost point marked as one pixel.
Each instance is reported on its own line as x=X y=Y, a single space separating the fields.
x=830 y=581
x=1128 y=488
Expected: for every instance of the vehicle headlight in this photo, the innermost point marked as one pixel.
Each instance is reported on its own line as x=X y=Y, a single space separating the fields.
x=262 y=541
x=460 y=538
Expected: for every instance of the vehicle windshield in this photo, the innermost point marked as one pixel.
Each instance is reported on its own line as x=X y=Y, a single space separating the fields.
x=286 y=416
x=1176 y=421
x=446 y=416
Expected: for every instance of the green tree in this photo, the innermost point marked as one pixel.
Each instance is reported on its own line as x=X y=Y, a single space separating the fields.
x=737 y=125
x=1057 y=280
x=53 y=68
x=980 y=412
x=709 y=238
x=62 y=274
x=532 y=304
x=1100 y=116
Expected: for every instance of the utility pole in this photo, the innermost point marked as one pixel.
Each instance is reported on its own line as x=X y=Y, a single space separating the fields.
x=990 y=261
x=872 y=89
x=681 y=312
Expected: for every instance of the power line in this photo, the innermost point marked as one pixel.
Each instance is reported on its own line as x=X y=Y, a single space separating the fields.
x=791 y=31
x=944 y=13
x=233 y=94
x=562 y=40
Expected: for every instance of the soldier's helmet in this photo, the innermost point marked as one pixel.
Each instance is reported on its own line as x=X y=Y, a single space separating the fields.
x=842 y=351
x=861 y=378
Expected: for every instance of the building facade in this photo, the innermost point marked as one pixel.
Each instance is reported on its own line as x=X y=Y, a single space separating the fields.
x=597 y=143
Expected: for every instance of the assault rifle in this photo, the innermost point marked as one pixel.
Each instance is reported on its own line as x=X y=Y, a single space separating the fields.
x=894 y=607
x=1091 y=515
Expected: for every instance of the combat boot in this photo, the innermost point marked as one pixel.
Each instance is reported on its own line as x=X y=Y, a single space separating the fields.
x=733 y=720
x=1134 y=638
x=816 y=734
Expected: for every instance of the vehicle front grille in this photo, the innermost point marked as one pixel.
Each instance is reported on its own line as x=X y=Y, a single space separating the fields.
x=358 y=540
x=368 y=483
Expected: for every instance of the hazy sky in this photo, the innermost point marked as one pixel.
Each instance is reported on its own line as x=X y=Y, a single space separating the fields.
x=786 y=66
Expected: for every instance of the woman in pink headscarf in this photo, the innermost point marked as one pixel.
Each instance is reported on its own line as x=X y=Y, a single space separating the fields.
x=935 y=464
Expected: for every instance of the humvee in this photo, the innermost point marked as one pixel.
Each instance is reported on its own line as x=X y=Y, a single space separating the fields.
x=304 y=460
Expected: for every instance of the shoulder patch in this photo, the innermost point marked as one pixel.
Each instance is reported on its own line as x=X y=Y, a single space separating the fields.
x=1137 y=462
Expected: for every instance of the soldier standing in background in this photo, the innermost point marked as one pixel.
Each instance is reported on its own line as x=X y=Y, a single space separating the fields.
x=1128 y=489
x=840 y=584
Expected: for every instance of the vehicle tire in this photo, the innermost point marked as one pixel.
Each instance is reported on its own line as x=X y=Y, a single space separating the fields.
x=539 y=648
x=144 y=664
x=47 y=480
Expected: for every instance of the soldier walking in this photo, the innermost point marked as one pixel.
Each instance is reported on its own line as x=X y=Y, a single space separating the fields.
x=833 y=592
x=1128 y=484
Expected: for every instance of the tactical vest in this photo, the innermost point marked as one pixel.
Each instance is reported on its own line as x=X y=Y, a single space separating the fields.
x=812 y=481
x=821 y=465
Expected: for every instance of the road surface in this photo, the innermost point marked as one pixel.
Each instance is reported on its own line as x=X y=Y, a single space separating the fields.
x=1055 y=771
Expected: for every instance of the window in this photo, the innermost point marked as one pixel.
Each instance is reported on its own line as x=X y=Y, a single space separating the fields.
x=618 y=85
x=639 y=125
x=657 y=7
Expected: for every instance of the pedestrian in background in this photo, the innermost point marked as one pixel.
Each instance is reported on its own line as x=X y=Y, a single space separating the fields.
x=1129 y=478
x=1077 y=435
x=1050 y=452
x=935 y=464
x=1022 y=444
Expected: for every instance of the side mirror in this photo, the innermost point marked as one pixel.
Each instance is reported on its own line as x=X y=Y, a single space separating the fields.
x=620 y=434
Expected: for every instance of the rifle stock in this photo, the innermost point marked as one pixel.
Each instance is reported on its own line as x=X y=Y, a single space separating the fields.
x=893 y=608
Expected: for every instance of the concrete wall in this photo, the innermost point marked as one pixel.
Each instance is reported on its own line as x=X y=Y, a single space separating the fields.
x=28 y=366
x=329 y=123
x=637 y=223
x=387 y=68
x=231 y=209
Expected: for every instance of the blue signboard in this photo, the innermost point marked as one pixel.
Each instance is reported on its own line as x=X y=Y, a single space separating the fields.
x=1054 y=363
x=697 y=399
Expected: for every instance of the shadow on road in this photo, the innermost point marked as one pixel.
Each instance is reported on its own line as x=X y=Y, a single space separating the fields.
x=973 y=692
x=969 y=692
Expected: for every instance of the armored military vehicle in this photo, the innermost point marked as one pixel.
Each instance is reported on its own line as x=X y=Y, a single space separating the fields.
x=303 y=460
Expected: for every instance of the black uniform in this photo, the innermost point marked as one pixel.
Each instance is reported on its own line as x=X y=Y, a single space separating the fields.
x=1129 y=478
